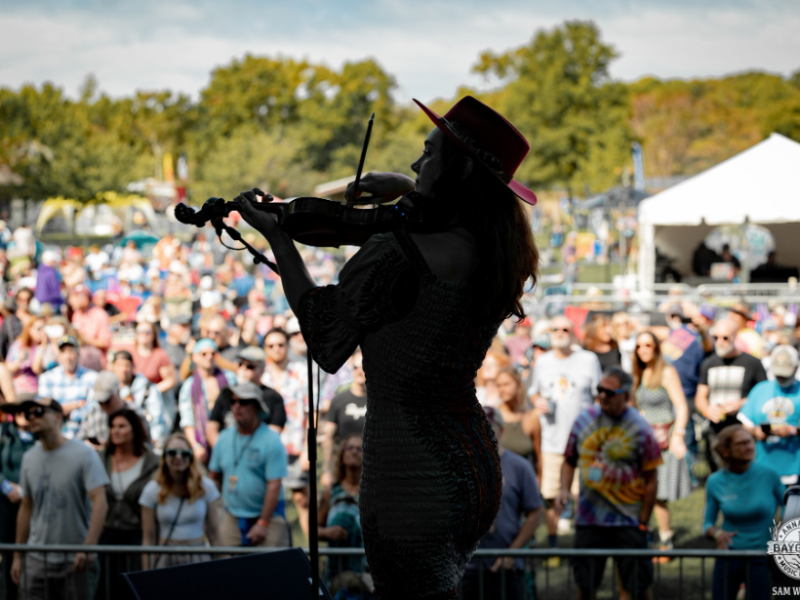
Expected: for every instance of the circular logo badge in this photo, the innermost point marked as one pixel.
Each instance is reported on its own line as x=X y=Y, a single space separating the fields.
x=785 y=548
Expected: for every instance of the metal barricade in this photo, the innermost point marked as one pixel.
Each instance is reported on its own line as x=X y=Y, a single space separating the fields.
x=688 y=575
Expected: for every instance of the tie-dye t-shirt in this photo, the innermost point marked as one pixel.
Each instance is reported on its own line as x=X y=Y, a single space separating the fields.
x=611 y=453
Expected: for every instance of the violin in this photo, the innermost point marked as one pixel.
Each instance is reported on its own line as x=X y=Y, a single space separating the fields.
x=316 y=221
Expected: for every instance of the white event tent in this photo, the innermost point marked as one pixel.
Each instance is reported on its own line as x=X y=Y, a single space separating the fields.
x=760 y=185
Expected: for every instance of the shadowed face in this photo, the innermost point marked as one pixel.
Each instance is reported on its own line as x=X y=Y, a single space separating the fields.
x=430 y=166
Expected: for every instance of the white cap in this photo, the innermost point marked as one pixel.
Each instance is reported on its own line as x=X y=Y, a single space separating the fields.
x=206 y=282
x=210 y=298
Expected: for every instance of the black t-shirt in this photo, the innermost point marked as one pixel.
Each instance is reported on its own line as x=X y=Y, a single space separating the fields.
x=349 y=412
x=730 y=379
x=609 y=359
x=221 y=413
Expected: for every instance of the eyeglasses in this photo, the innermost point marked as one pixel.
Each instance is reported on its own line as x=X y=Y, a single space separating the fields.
x=561 y=329
x=358 y=449
x=276 y=345
x=37 y=411
x=176 y=453
x=724 y=338
x=604 y=391
x=248 y=366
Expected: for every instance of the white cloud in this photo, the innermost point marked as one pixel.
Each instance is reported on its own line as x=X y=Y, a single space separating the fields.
x=429 y=52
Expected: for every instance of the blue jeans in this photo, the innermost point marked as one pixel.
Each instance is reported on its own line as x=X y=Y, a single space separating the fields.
x=730 y=573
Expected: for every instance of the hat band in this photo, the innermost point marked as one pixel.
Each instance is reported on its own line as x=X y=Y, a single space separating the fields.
x=489 y=160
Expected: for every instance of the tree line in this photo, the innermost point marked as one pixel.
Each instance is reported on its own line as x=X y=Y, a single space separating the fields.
x=287 y=125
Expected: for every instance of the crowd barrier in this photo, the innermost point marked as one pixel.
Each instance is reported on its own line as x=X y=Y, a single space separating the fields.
x=686 y=576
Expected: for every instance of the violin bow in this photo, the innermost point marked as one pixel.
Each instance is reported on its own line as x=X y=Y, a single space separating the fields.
x=363 y=158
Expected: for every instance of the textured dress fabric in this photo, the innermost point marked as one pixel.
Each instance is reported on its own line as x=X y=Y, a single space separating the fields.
x=431 y=479
x=674 y=481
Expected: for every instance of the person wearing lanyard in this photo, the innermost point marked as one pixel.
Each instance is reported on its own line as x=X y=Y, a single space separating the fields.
x=247 y=464
x=772 y=414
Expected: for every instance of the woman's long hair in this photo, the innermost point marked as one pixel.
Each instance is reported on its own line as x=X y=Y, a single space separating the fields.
x=591 y=338
x=155 y=334
x=639 y=366
x=139 y=432
x=192 y=488
x=339 y=470
x=25 y=338
x=507 y=253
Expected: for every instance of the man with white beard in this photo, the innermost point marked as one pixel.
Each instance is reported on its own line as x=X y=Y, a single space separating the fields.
x=726 y=378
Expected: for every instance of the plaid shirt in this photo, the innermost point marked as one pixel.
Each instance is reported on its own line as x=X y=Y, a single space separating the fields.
x=95 y=422
x=60 y=386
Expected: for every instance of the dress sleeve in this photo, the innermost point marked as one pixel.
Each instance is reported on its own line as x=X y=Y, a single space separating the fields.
x=379 y=285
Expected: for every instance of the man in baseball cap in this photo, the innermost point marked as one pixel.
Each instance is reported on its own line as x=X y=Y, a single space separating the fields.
x=772 y=414
x=106 y=400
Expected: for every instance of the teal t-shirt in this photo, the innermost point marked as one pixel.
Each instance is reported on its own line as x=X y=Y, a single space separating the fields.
x=768 y=402
x=252 y=460
x=747 y=501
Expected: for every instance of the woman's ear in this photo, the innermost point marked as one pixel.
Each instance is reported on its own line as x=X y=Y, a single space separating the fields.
x=465 y=166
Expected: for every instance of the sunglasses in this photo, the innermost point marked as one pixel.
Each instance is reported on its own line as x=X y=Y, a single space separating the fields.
x=724 y=338
x=248 y=366
x=37 y=411
x=235 y=401
x=175 y=453
x=276 y=345
x=604 y=391
x=358 y=449
x=561 y=329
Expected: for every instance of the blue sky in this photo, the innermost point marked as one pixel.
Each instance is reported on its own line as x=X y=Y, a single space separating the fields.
x=429 y=45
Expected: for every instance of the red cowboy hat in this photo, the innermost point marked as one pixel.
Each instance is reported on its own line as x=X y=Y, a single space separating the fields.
x=491 y=132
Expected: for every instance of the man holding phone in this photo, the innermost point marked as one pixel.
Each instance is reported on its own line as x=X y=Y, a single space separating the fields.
x=772 y=414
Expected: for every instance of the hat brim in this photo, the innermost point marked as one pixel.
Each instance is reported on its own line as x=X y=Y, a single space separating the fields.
x=519 y=190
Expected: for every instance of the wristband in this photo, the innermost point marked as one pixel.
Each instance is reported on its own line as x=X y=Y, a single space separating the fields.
x=643 y=527
x=262 y=522
x=6 y=487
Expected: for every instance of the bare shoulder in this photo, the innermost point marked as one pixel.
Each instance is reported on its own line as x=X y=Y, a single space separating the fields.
x=451 y=255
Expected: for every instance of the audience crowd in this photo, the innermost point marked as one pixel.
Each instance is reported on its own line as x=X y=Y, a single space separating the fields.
x=158 y=396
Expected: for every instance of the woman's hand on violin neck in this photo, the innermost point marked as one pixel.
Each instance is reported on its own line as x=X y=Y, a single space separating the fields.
x=261 y=221
x=379 y=188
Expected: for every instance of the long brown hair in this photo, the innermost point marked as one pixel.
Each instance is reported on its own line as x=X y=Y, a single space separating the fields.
x=639 y=366
x=339 y=470
x=192 y=488
x=25 y=338
x=514 y=374
x=507 y=253
x=591 y=338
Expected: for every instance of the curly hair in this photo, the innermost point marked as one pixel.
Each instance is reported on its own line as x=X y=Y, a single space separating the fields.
x=192 y=488
x=339 y=470
x=140 y=438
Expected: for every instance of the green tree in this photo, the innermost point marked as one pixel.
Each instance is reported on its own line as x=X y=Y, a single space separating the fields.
x=561 y=97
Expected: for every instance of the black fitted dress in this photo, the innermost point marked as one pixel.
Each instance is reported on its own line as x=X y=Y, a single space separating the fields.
x=431 y=480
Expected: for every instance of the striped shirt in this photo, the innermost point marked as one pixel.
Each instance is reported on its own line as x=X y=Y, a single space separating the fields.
x=63 y=387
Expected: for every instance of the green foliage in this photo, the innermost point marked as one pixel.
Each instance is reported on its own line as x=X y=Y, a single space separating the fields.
x=286 y=125
x=560 y=96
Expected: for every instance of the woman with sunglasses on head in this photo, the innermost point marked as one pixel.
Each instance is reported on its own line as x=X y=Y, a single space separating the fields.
x=660 y=399
x=425 y=303
x=338 y=517
x=130 y=465
x=181 y=504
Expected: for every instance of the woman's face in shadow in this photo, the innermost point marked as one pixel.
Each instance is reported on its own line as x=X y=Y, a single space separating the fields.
x=429 y=167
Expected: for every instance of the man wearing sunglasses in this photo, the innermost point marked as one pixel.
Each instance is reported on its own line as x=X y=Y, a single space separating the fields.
x=63 y=502
x=726 y=378
x=564 y=383
x=617 y=454
x=251 y=369
x=248 y=464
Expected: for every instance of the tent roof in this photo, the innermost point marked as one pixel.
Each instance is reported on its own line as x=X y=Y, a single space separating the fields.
x=761 y=184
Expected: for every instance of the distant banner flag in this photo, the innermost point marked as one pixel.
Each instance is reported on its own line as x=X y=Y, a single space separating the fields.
x=638 y=166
